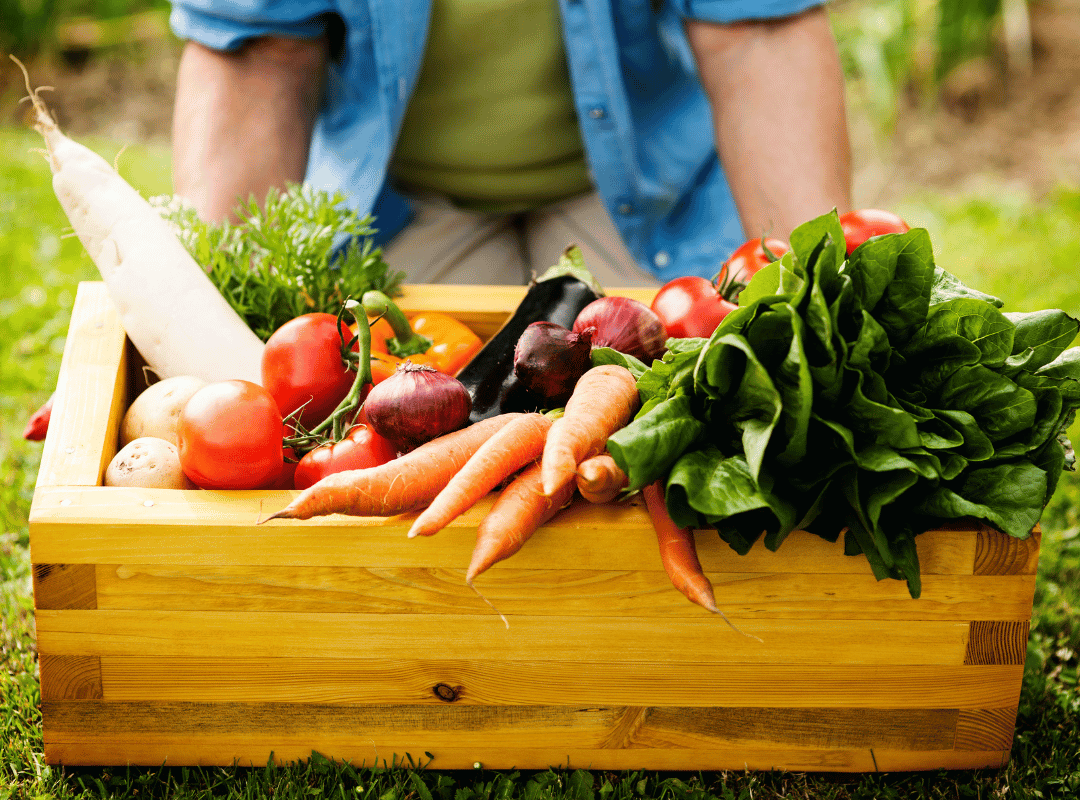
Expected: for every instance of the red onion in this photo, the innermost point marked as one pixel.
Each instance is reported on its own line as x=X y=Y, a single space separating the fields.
x=549 y=359
x=417 y=404
x=624 y=324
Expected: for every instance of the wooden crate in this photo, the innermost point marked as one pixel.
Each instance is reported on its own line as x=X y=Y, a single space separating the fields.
x=173 y=628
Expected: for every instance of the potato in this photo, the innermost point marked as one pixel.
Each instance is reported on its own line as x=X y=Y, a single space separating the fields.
x=148 y=463
x=156 y=410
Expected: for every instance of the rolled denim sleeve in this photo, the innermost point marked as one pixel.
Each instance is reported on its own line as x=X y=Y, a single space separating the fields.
x=737 y=10
x=225 y=24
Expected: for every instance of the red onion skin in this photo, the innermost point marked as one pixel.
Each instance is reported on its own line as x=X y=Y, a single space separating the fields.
x=417 y=404
x=549 y=359
x=624 y=324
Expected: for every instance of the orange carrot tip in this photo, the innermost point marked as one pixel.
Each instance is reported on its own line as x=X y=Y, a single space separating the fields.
x=732 y=625
x=479 y=594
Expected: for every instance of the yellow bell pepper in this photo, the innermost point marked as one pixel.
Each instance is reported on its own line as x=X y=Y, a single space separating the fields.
x=437 y=340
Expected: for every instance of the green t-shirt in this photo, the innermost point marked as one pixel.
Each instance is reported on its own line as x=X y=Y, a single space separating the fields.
x=492 y=123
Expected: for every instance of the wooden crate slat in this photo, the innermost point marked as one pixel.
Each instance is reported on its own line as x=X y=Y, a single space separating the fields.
x=312 y=679
x=543 y=726
x=483 y=308
x=144 y=526
x=1006 y=555
x=58 y=586
x=997 y=642
x=985 y=728
x=552 y=591
x=205 y=752
x=482 y=635
x=89 y=398
x=70 y=677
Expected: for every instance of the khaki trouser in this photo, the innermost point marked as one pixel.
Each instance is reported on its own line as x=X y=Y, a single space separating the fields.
x=446 y=244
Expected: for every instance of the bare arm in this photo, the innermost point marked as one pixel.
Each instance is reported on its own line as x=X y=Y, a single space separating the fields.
x=243 y=120
x=777 y=94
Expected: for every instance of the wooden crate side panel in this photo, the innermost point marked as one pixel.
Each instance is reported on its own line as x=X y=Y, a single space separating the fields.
x=595 y=727
x=89 y=399
x=315 y=679
x=997 y=642
x=482 y=635
x=998 y=554
x=70 y=677
x=985 y=728
x=483 y=308
x=60 y=586
x=75 y=751
x=612 y=736
x=551 y=592
x=142 y=526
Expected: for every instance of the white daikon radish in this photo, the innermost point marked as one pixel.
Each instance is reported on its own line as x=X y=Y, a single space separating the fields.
x=170 y=309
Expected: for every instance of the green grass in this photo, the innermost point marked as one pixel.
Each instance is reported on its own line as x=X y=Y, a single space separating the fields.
x=1024 y=253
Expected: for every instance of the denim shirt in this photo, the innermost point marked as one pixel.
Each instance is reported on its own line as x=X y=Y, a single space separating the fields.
x=645 y=120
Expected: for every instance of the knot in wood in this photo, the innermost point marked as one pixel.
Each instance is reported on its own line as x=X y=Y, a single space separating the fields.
x=446 y=692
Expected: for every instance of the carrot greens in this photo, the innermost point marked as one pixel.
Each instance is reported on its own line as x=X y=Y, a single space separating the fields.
x=300 y=250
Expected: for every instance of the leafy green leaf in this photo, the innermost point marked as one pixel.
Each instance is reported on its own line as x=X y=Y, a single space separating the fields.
x=608 y=355
x=647 y=447
x=1009 y=497
x=1000 y=406
x=947 y=286
x=1041 y=336
x=904 y=263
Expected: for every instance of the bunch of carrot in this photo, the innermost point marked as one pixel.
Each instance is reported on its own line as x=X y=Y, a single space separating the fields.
x=542 y=459
x=537 y=453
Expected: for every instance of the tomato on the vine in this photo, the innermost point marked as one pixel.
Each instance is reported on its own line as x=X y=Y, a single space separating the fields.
x=302 y=364
x=748 y=259
x=229 y=436
x=690 y=306
x=360 y=449
x=866 y=223
x=693 y=306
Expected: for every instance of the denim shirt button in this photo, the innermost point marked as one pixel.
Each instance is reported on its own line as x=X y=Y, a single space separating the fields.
x=662 y=259
x=597 y=113
x=626 y=208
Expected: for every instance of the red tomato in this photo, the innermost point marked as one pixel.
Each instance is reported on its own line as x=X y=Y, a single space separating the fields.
x=748 y=258
x=302 y=364
x=229 y=436
x=868 y=222
x=690 y=306
x=362 y=448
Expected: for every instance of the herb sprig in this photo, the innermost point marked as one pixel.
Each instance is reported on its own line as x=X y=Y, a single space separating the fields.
x=302 y=250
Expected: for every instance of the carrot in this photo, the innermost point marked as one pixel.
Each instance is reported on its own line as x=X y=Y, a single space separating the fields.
x=507 y=451
x=169 y=308
x=678 y=554
x=520 y=509
x=604 y=400
x=404 y=484
x=599 y=479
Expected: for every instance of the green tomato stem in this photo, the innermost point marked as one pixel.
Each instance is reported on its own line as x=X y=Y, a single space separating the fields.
x=341 y=419
x=406 y=341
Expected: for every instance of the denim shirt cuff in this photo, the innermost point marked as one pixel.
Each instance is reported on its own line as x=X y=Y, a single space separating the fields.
x=738 y=10
x=222 y=33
